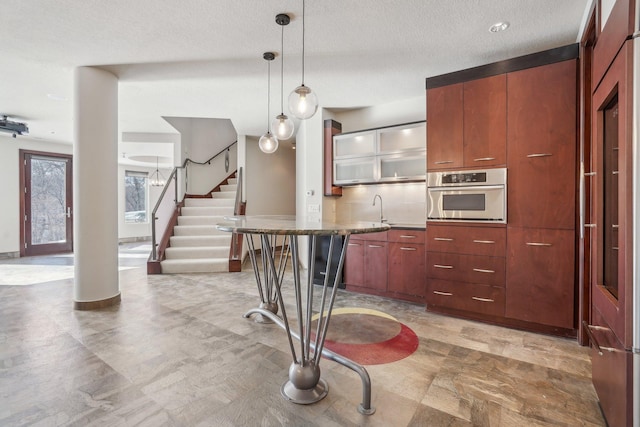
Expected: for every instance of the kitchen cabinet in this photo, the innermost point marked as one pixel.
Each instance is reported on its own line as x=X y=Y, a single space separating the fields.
x=331 y=128
x=540 y=276
x=465 y=268
x=445 y=127
x=466 y=124
x=366 y=262
x=542 y=146
x=391 y=154
x=406 y=262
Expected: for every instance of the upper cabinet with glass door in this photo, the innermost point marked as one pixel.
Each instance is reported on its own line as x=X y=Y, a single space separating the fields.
x=395 y=154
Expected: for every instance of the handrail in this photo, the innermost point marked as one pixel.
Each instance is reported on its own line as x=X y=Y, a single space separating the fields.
x=184 y=164
x=174 y=176
x=236 y=207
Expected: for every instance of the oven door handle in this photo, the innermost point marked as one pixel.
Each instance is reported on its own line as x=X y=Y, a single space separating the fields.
x=465 y=188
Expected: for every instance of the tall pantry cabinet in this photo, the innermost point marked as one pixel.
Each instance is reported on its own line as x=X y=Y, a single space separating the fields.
x=521 y=113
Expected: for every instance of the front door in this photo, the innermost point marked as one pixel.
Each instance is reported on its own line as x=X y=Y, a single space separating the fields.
x=46 y=203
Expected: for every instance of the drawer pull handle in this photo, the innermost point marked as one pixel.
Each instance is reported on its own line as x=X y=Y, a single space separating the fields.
x=614 y=173
x=480 y=270
x=589 y=226
x=484 y=241
x=482 y=299
x=355 y=244
x=614 y=248
x=615 y=226
x=375 y=246
x=443 y=239
x=443 y=162
x=592 y=338
x=539 y=155
x=407 y=236
x=589 y=174
x=323 y=273
x=538 y=244
x=442 y=266
x=408 y=249
x=484 y=159
x=446 y=294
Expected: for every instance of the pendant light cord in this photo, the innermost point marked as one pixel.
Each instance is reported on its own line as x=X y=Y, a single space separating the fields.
x=268 y=94
x=282 y=70
x=302 y=42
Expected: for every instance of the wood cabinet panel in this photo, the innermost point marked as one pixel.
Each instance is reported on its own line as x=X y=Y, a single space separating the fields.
x=444 y=127
x=406 y=269
x=354 y=263
x=331 y=127
x=406 y=236
x=375 y=265
x=474 y=298
x=381 y=236
x=540 y=276
x=485 y=122
x=542 y=146
x=466 y=240
x=466 y=268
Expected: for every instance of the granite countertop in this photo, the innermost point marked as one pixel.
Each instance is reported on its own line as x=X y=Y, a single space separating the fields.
x=292 y=225
x=407 y=226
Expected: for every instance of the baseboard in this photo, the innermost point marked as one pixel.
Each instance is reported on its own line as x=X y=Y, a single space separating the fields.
x=9 y=255
x=134 y=239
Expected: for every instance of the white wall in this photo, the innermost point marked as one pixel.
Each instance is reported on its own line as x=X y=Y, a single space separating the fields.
x=9 y=190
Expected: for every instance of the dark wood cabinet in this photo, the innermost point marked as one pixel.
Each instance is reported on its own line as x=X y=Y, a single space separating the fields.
x=354 y=263
x=366 y=262
x=466 y=297
x=540 y=276
x=406 y=262
x=485 y=122
x=467 y=268
x=542 y=146
x=444 y=127
x=460 y=239
x=331 y=128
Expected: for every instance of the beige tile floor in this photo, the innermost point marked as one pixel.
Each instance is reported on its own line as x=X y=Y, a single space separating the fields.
x=177 y=352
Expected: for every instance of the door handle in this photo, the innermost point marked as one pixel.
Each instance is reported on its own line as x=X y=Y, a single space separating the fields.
x=68 y=212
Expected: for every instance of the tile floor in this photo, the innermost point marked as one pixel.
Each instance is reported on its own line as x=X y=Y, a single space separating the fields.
x=177 y=352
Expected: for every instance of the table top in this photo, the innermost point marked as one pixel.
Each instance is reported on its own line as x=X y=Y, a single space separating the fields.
x=296 y=225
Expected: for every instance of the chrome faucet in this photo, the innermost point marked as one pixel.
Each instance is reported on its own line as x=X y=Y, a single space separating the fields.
x=377 y=196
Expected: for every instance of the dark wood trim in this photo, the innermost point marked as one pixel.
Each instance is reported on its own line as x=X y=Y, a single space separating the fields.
x=546 y=57
x=153 y=266
x=583 y=249
x=24 y=182
x=97 y=305
x=383 y=127
x=331 y=128
x=219 y=186
x=235 y=265
x=503 y=321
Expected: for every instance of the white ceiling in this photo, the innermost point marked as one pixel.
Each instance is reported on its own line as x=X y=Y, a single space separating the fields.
x=203 y=58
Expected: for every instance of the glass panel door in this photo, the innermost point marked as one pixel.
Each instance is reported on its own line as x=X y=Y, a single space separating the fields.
x=48 y=226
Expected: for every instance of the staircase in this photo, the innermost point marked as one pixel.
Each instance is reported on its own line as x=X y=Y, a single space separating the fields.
x=197 y=246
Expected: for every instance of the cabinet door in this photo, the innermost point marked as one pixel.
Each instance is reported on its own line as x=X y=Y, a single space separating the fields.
x=540 y=276
x=444 y=127
x=403 y=167
x=406 y=269
x=354 y=263
x=358 y=144
x=542 y=141
x=398 y=139
x=467 y=240
x=354 y=171
x=478 y=269
x=469 y=297
x=485 y=122
x=375 y=265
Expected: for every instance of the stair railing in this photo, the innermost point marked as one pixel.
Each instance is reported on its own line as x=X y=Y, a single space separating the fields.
x=166 y=208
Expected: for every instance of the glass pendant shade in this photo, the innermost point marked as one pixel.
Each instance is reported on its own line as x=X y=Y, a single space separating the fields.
x=268 y=143
x=282 y=127
x=303 y=102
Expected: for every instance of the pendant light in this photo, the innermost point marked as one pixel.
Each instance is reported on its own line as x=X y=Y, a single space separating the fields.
x=268 y=143
x=159 y=180
x=303 y=102
x=282 y=125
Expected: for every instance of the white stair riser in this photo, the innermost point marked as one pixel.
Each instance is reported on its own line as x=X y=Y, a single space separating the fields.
x=231 y=188
x=197 y=252
x=207 y=265
x=200 y=241
x=196 y=230
x=200 y=220
x=220 y=211
x=224 y=195
x=209 y=202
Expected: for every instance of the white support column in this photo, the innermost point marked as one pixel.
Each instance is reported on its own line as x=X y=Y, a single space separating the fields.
x=95 y=189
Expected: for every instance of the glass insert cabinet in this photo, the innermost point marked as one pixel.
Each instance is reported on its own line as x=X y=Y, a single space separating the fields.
x=390 y=154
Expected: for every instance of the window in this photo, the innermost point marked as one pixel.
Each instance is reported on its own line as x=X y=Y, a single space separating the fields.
x=135 y=187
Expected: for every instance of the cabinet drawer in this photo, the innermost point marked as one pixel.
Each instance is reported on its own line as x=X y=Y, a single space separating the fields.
x=466 y=296
x=466 y=268
x=380 y=236
x=406 y=236
x=490 y=241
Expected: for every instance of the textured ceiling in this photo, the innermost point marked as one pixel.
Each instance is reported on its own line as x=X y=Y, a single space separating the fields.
x=203 y=58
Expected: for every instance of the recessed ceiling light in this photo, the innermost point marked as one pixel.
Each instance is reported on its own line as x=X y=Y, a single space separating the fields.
x=500 y=26
x=54 y=97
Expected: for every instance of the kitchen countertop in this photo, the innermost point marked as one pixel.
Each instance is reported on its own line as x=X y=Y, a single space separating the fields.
x=407 y=226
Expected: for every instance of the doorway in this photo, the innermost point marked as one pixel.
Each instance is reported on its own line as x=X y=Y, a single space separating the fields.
x=46 y=203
